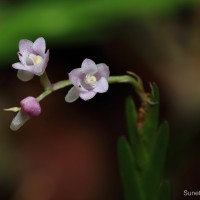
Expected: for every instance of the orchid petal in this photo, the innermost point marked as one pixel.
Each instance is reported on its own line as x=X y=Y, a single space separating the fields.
x=19 y=120
x=77 y=77
x=72 y=95
x=19 y=66
x=46 y=58
x=24 y=75
x=88 y=67
x=40 y=68
x=101 y=85
x=25 y=46
x=87 y=95
x=103 y=70
x=39 y=46
x=24 y=58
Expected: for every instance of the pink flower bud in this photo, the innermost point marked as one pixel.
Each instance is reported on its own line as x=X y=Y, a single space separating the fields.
x=31 y=106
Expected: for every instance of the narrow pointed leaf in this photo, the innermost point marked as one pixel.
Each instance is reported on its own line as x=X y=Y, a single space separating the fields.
x=128 y=171
x=153 y=174
x=134 y=137
x=150 y=124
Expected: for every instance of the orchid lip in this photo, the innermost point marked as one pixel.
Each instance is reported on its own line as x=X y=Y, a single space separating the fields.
x=35 y=58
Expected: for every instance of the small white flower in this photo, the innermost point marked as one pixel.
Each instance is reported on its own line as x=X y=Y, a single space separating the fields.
x=33 y=59
x=88 y=80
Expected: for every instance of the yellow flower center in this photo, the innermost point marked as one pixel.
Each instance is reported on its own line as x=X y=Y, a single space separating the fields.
x=90 y=79
x=36 y=59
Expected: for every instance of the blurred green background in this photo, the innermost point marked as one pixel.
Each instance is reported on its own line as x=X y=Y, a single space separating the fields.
x=64 y=22
x=70 y=151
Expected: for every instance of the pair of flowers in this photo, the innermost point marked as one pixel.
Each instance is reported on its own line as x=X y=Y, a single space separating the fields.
x=87 y=81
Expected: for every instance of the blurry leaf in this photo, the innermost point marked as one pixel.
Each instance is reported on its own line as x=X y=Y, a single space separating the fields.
x=153 y=174
x=62 y=22
x=129 y=174
x=135 y=140
x=150 y=124
x=165 y=191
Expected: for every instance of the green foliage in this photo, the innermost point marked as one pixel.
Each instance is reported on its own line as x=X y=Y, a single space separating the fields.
x=151 y=120
x=135 y=139
x=154 y=171
x=129 y=173
x=143 y=157
x=64 y=22
x=165 y=191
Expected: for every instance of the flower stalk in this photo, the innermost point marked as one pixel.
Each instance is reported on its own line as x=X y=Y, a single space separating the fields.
x=50 y=88
x=45 y=82
x=131 y=79
x=137 y=85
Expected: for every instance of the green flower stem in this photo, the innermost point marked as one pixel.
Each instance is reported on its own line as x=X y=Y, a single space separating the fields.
x=44 y=94
x=56 y=86
x=132 y=79
x=61 y=84
x=137 y=84
x=45 y=82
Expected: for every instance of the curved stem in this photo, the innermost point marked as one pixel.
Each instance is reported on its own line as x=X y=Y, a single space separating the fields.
x=132 y=79
x=45 y=82
x=136 y=83
x=56 y=86
x=61 y=84
x=44 y=94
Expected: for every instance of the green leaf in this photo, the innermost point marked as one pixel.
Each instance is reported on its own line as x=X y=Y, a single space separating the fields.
x=165 y=191
x=153 y=174
x=134 y=137
x=128 y=171
x=150 y=124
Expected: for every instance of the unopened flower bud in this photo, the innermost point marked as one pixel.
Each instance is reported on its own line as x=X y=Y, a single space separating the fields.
x=31 y=106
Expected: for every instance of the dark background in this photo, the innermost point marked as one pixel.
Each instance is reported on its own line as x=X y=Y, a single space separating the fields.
x=69 y=152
